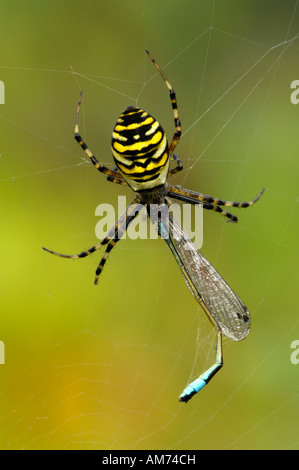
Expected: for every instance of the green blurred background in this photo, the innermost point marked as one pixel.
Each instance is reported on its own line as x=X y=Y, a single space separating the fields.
x=102 y=367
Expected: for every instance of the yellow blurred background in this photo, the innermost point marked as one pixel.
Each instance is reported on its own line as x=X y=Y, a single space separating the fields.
x=102 y=367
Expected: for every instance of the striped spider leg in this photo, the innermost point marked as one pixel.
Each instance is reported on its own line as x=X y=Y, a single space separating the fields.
x=209 y=202
x=177 y=122
x=114 y=176
x=114 y=235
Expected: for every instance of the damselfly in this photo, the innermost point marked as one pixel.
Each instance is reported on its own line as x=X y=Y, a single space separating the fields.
x=223 y=307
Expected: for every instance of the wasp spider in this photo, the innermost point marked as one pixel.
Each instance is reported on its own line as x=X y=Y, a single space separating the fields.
x=142 y=157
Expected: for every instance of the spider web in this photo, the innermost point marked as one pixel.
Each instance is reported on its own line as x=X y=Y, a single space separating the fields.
x=102 y=367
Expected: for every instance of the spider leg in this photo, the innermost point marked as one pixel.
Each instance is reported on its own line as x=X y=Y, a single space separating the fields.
x=209 y=202
x=118 y=180
x=113 y=234
x=215 y=208
x=179 y=166
x=83 y=254
x=206 y=205
x=130 y=216
x=199 y=197
x=177 y=122
x=114 y=176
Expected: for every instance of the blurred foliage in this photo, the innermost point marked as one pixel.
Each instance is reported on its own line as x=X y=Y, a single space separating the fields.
x=102 y=367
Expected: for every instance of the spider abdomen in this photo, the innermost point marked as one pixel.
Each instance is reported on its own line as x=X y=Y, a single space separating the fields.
x=140 y=149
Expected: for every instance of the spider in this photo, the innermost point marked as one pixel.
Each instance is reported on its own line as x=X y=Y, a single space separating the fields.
x=142 y=157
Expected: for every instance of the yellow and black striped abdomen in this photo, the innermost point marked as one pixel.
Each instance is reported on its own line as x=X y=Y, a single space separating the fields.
x=140 y=149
